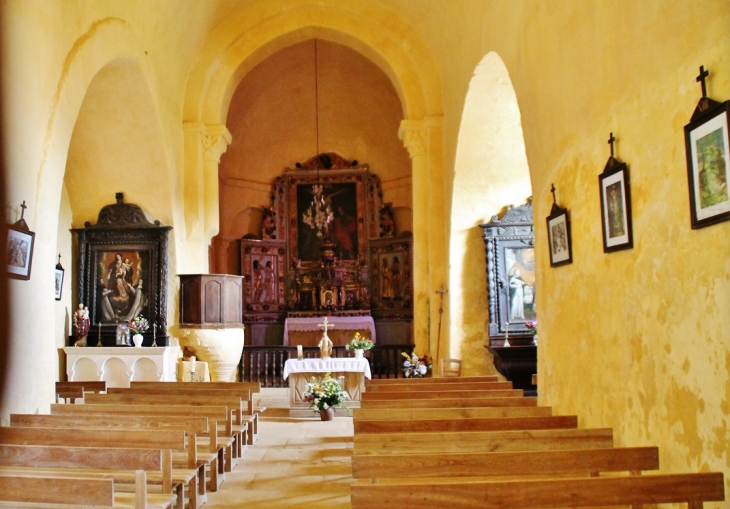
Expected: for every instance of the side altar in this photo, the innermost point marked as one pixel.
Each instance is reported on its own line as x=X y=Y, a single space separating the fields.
x=118 y=366
x=350 y=372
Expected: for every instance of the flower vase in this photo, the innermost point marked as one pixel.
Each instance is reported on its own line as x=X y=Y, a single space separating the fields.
x=359 y=353
x=327 y=414
x=137 y=339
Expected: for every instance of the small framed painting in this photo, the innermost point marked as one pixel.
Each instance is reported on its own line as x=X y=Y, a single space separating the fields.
x=558 y=225
x=19 y=251
x=59 y=280
x=708 y=165
x=616 y=207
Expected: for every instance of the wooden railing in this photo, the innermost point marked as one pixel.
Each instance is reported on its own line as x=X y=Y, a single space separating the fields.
x=265 y=364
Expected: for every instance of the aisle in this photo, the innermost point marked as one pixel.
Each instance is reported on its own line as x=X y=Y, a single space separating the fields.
x=296 y=463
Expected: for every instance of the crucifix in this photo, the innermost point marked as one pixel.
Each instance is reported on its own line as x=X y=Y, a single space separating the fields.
x=23 y=206
x=552 y=190
x=441 y=291
x=325 y=344
x=701 y=78
x=611 y=139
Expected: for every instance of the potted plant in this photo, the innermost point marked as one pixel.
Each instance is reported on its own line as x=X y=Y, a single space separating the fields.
x=415 y=366
x=359 y=344
x=324 y=395
x=138 y=325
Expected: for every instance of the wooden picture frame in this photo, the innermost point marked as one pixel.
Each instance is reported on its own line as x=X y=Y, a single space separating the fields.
x=58 y=280
x=615 y=192
x=20 y=244
x=560 y=243
x=263 y=267
x=123 y=272
x=707 y=144
x=391 y=272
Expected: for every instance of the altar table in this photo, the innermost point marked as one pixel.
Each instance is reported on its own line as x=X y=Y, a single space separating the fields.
x=118 y=365
x=307 y=332
x=354 y=371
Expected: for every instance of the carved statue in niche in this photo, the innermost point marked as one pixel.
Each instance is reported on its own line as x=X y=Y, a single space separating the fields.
x=387 y=224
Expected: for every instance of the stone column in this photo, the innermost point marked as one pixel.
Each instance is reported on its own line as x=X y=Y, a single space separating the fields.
x=422 y=139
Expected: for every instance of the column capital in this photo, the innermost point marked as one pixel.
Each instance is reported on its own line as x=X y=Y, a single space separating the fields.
x=413 y=135
x=216 y=139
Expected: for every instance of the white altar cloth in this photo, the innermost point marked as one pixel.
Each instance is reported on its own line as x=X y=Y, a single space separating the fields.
x=339 y=322
x=332 y=365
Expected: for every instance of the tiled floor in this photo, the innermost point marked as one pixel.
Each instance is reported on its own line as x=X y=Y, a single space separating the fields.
x=302 y=464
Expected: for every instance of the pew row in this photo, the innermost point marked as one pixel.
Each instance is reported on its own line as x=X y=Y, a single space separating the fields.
x=213 y=461
x=449 y=403
x=524 y=463
x=692 y=489
x=447 y=425
x=456 y=380
x=482 y=441
x=169 y=478
x=442 y=394
x=405 y=414
x=451 y=386
x=89 y=461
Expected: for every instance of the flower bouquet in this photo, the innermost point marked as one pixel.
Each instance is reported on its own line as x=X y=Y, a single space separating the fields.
x=325 y=394
x=415 y=366
x=138 y=324
x=531 y=326
x=360 y=343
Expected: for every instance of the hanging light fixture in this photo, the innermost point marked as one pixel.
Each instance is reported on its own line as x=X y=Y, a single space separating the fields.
x=318 y=215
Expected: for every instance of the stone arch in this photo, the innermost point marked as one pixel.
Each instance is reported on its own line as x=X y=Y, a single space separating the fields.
x=491 y=171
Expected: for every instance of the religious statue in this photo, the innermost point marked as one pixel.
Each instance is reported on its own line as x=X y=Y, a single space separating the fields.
x=81 y=323
x=385 y=274
x=325 y=344
x=396 y=278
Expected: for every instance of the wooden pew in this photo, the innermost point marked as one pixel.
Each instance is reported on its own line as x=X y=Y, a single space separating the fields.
x=447 y=425
x=37 y=492
x=526 y=463
x=405 y=414
x=251 y=416
x=213 y=461
x=430 y=380
x=90 y=460
x=449 y=403
x=482 y=441
x=441 y=394
x=692 y=489
x=418 y=388
x=71 y=391
x=192 y=426
x=233 y=440
x=168 y=440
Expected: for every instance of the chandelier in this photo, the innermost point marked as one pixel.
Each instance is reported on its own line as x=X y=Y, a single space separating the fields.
x=319 y=214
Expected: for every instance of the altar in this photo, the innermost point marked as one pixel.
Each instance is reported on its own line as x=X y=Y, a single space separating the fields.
x=307 y=332
x=350 y=371
x=118 y=365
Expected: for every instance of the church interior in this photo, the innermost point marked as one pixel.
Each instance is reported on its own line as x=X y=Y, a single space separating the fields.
x=420 y=122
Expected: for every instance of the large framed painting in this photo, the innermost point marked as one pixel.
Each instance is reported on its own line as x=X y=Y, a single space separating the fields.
x=123 y=272
x=616 y=207
x=329 y=206
x=510 y=249
x=707 y=142
x=391 y=262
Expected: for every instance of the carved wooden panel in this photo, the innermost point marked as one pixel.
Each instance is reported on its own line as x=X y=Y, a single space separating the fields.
x=211 y=300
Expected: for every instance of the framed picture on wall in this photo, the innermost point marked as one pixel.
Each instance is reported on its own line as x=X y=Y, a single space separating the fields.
x=708 y=165
x=58 y=279
x=560 y=243
x=19 y=251
x=616 y=207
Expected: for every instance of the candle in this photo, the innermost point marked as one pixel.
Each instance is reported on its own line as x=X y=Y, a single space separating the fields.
x=98 y=343
x=192 y=364
x=300 y=354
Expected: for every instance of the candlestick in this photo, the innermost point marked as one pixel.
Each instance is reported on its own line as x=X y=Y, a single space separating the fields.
x=98 y=343
x=154 y=334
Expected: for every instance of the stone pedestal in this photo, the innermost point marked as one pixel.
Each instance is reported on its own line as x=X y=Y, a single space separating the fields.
x=220 y=348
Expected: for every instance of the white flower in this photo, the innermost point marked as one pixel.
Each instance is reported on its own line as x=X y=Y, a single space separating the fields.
x=422 y=369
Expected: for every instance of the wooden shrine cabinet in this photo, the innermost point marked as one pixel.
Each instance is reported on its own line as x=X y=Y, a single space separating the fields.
x=211 y=301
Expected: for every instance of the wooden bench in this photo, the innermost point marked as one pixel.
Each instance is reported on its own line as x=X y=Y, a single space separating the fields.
x=692 y=489
x=233 y=440
x=441 y=394
x=526 y=463
x=251 y=416
x=418 y=388
x=405 y=414
x=168 y=440
x=446 y=425
x=87 y=460
x=449 y=403
x=70 y=391
x=482 y=441
x=430 y=380
x=18 y=491
x=213 y=461
x=68 y=424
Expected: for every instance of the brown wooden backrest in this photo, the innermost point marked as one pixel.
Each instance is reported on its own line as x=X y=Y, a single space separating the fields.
x=460 y=424
x=433 y=387
x=195 y=425
x=41 y=490
x=105 y=458
x=447 y=403
x=88 y=386
x=247 y=386
x=90 y=437
x=443 y=394
x=405 y=414
x=184 y=389
x=430 y=380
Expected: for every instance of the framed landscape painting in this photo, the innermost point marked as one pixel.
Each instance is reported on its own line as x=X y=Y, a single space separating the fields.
x=708 y=166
